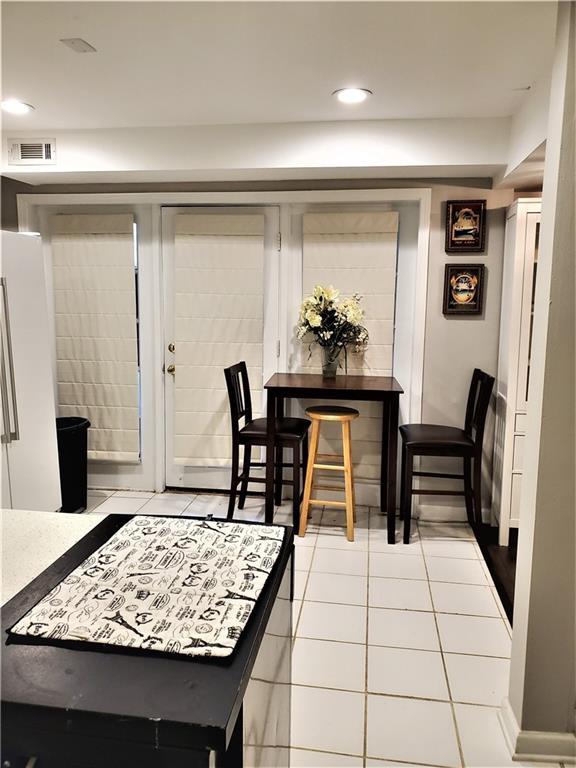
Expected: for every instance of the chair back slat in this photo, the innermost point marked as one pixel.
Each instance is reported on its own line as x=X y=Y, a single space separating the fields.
x=477 y=406
x=239 y=398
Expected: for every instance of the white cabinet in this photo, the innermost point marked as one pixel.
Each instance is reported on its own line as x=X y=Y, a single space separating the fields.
x=30 y=476
x=519 y=280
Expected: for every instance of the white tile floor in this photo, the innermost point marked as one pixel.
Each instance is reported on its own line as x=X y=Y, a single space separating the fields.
x=401 y=653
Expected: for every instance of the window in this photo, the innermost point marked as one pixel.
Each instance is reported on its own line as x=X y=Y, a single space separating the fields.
x=95 y=303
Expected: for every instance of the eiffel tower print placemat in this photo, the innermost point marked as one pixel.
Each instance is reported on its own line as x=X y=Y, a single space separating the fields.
x=167 y=584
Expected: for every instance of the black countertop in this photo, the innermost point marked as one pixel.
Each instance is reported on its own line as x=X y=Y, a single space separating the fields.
x=152 y=699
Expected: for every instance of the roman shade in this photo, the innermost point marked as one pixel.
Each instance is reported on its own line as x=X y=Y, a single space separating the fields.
x=96 y=329
x=356 y=252
x=219 y=318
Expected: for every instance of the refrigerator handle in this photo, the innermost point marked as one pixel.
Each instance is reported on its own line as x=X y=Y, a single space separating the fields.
x=5 y=436
x=14 y=434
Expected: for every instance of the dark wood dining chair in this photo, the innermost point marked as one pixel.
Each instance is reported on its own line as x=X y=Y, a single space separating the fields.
x=290 y=433
x=439 y=440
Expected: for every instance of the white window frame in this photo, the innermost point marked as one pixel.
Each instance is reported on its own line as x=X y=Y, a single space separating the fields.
x=147 y=206
x=141 y=475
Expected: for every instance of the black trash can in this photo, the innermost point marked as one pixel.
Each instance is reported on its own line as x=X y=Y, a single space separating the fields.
x=72 y=434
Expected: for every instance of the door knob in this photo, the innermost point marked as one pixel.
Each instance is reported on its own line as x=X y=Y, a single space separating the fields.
x=171 y=347
x=171 y=369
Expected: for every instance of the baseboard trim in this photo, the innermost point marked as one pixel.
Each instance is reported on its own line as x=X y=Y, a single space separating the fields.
x=536 y=746
x=509 y=725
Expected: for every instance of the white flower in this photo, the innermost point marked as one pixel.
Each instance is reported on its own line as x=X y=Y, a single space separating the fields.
x=351 y=310
x=331 y=293
x=334 y=322
x=327 y=294
x=313 y=318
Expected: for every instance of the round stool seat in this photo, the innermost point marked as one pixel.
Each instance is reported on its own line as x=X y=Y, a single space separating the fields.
x=332 y=413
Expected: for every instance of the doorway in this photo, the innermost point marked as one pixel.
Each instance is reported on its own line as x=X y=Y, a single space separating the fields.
x=220 y=272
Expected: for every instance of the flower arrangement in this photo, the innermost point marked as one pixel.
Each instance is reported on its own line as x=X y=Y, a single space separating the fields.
x=334 y=323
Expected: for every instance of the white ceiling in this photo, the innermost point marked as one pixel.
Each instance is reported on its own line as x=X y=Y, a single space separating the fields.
x=192 y=63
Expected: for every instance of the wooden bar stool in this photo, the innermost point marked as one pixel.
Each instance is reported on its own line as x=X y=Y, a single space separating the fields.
x=318 y=414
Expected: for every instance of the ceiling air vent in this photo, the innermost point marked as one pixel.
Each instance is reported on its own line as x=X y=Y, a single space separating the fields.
x=31 y=151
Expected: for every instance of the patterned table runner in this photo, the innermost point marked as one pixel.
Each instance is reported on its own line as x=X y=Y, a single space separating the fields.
x=163 y=584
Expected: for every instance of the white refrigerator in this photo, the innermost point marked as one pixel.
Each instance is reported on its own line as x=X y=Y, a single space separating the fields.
x=30 y=476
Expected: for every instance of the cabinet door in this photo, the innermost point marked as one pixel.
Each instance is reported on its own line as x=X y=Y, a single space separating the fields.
x=527 y=314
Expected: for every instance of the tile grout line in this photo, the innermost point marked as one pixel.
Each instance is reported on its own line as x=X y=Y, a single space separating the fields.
x=349 y=754
x=365 y=747
x=399 y=647
x=452 y=710
x=386 y=695
x=309 y=570
x=412 y=610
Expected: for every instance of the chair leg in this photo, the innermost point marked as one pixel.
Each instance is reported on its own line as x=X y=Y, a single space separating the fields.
x=246 y=473
x=296 y=486
x=304 y=457
x=233 y=480
x=477 y=487
x=468 y=495
x=402 y=483
x=309 y=477
x=348 y=480
x=353 y=486
x=278 y=477
x=408 y=467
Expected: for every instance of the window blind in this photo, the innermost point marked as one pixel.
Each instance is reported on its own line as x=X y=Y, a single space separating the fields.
x=356 y=253
x=96 y=333
x=219 y=319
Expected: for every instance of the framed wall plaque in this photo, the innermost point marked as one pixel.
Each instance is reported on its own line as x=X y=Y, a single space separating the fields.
x=463 y=289
x=465 y=226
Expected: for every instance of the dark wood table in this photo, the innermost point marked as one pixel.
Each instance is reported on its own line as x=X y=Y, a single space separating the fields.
x=381 y=389
x=75 y=707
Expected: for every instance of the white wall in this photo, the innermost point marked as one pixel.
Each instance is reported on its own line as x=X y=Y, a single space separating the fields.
x=529 y=125
x=455 y=345
x=539 y=715
x=461 y=147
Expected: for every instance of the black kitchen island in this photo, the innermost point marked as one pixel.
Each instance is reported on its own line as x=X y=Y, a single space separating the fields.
x=76 y=707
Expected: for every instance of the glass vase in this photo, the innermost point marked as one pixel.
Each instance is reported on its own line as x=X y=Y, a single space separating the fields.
x=330 y=359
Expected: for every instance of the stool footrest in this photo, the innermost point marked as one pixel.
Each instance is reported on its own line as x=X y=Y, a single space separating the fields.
x=330 y=456
x=337 y=467
x=434 y=492
x=328 y=503
x=329 y=488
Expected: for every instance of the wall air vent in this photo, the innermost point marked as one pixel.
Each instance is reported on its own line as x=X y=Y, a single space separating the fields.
x=31 y=151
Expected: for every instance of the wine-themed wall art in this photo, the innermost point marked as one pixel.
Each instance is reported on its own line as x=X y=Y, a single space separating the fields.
x=465 y=226
x=463 y=289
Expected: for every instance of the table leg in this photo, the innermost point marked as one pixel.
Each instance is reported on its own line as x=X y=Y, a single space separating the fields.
x=279 y=458
x=384 y=455
x=270 y=439
x=234 y=755
x=392 y=461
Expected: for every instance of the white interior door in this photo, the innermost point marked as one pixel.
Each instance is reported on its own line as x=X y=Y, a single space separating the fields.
x=220 y=269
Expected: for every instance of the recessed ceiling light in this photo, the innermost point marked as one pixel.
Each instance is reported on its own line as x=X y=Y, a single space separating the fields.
x=352 y=95
x=16 y=107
